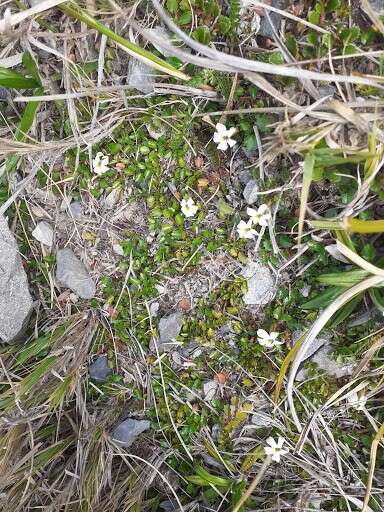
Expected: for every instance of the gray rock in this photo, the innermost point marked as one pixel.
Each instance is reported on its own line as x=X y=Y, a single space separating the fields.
x=324 y=360
x=71 y=273
x=210 y=389
x=320 y=352
x=261 y=285
x=140 y=76
x=43 y=233
x=169 y=328
x=75 y=209
x=262 y=420
x=126 y=433
x=99 y=369
x=244 y=176
x=250 y=192
x=265 y=26
x=15 y=299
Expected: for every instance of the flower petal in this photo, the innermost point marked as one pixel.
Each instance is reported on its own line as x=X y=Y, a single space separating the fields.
x=251 y=212
x=231 y=131
x=221 y=129
x=231 y=142
x=276 y=457
x=280 y=442
x=223 y=146
x=271 y=442
x=261 y=333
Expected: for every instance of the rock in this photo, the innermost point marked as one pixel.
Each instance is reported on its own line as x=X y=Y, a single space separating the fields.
x=250 y=192
x=112 y=199
x=324 y=360
x=261 y=420
x=75 y=209
x=261 y=285
x=43 y=233
x=155 y=132
x=210 y=389
x=99 y=369
x=244 y=176
x=126 y=433
x=140 y=76
x=15 y=300
x=169 y=328
x=71 y=273
x=265 y=26
x=320 y=352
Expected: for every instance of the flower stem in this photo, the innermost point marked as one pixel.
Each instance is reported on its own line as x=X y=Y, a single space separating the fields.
x=253 y=485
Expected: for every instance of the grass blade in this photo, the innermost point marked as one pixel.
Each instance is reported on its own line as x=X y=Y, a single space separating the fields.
x=309 y=163
x=72 y=9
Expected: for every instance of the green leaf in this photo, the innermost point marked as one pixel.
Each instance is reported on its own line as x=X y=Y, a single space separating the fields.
x=314 y=17
x=31 y=65
x=223 y=24
x=185 y=18
x=346 y=310
x=377 y=298
x=332 y=5
x=202 y=35
x=291 y=44
x=344 y=279
x=172 y=6
x=323 y=299
x=12 y=80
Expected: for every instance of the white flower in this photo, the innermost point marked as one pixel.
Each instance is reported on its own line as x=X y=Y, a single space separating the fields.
x=356 y=401
x=100 y=164
x=268 y=340
x=222 y=137
x=245 y=229
x=260 y=216
x=275 y=449
x=188 y=207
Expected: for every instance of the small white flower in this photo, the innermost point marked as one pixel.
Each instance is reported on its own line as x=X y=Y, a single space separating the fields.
x=188 y=207
x=260 y=216
x=100 y=164
x=275 y=448
x=357 y=402
x=222 y=137
x=267 y=339
x=245 y=230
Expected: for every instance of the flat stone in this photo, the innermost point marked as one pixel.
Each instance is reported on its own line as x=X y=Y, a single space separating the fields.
x=324 y=360
x=250 y=192
x=140 y=76
x=320 y=352
x=169 y=328
x=71 y=273
x=126 y=433
x=261 y=419
x=261 y=285
x=265 y=26
x=75 y=209
x=99 y=369
x=210 y=389
x=15 y=299
x=43 y=233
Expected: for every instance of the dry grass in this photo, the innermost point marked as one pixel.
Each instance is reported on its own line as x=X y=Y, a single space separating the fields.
x=55 y=450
